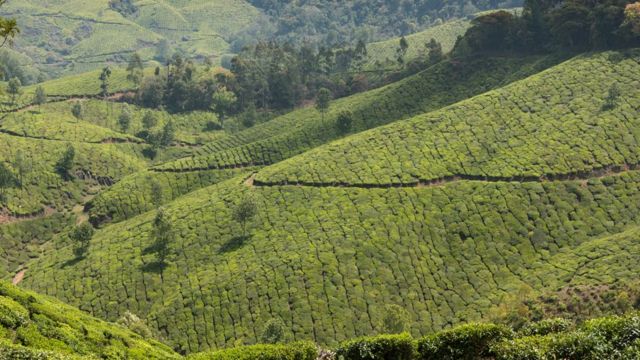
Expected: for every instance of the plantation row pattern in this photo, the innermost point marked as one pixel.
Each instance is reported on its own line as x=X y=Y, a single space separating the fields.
x=327 y=260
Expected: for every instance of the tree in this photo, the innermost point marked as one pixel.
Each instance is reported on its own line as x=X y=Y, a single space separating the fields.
x=157 y=198
x=245 y=212
x=77 y=111
x=223 y=102
x=402 y=49
x=7 y=180
x=65 y=164
x=22 y=165
x=104 y=81
x=344 y=122
x=135 y=69
x=168 y=133
x=151 y=91
x=632 y=17
x=124 y=120
x=273 y=332
x=149 y=120
x=163 y=235
x=82 y=235
x=40 y=97
x=8 y=28
x=14 y=88
x=435 y=51
x=395 y=319
x=611 y=101
x=323 y=101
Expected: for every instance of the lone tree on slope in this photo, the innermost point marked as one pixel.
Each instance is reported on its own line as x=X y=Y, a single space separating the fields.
x=40 y=96
x=82 y=235
x=14 y=88
x=163 y=235
x=244 y=213
x=323 y=101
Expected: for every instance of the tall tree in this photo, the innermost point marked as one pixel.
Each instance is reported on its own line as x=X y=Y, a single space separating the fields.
x=65 y=164
x=223 y=103
x=77 y=111
x=149 y=120
x=435 y=51
x=135 y=69
x=82 y=235
x=323 y=101
x=7 y=180
x=105 y=75
x=40 y=97
x=124 y=120
x=402 y=50
x=163 y=235
x=244 y=212
x=8 y=28
x=23 y=165
x=14 y=88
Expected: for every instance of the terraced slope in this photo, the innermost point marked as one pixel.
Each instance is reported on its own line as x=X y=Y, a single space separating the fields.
x=551 y=125
x=36 y=327
x=301 y=130
x=73 y=36
x=383 y=53
x=327 y=257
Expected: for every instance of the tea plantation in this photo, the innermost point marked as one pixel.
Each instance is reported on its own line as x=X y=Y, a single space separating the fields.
x=438 y=86
x=553 y=124
x=37 y=327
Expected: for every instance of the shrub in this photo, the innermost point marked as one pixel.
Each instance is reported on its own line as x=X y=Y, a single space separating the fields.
x=472 y=341
x=382 y=347
x=547 y=326
x=293 y=351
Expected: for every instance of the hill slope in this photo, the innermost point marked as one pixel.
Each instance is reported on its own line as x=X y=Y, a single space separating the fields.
x=326 y=256
x=36 y=327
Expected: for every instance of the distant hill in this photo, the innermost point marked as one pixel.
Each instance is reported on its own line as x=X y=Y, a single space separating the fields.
x=74 y=36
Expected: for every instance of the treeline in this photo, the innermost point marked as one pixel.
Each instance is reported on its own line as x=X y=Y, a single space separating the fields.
x=267 y=76
x=552 y=25
x=352 y=20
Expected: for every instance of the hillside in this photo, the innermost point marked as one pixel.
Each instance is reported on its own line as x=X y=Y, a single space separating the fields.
x=36 y=327
x=75 y=36
x=336 y=242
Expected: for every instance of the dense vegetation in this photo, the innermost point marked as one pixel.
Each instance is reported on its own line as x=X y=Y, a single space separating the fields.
x=36 y=327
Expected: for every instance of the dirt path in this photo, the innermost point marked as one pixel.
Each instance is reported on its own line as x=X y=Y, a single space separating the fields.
x=6 y=218
x=574 y=176
x=18 y=278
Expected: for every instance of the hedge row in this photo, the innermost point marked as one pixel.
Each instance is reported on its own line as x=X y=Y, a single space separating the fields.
x=606 y=338
x=294 y=351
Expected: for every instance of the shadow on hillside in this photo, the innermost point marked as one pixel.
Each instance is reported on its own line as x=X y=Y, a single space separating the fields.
x=234 y=244
x=154 y=267
x=72 y=262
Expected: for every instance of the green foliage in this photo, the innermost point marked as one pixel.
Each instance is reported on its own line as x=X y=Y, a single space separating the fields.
x=135 y=69
x=82 y=235
x=14 y=87
x=546 y=327
x=163 y=235
x=381 y=347
x=244 y=212
x=273 y=332
x=36 y=327
x=66 y=162
x=40 y=96
x=293 y=351
x=77 y=110
x=466 y=342
x=149 y=121
x=344 y=122
x=105 y=75
x=395 y=319
x=223 y=102
x=7 y=179
x=323 y=101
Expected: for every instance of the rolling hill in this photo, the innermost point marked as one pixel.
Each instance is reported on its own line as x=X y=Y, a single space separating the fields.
x=75 y=36
x=444 y=213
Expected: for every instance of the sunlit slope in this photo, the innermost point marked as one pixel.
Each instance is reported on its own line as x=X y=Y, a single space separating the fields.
x=37 y=327
x=301 y=130
x=554 y=124
x=326 y=260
